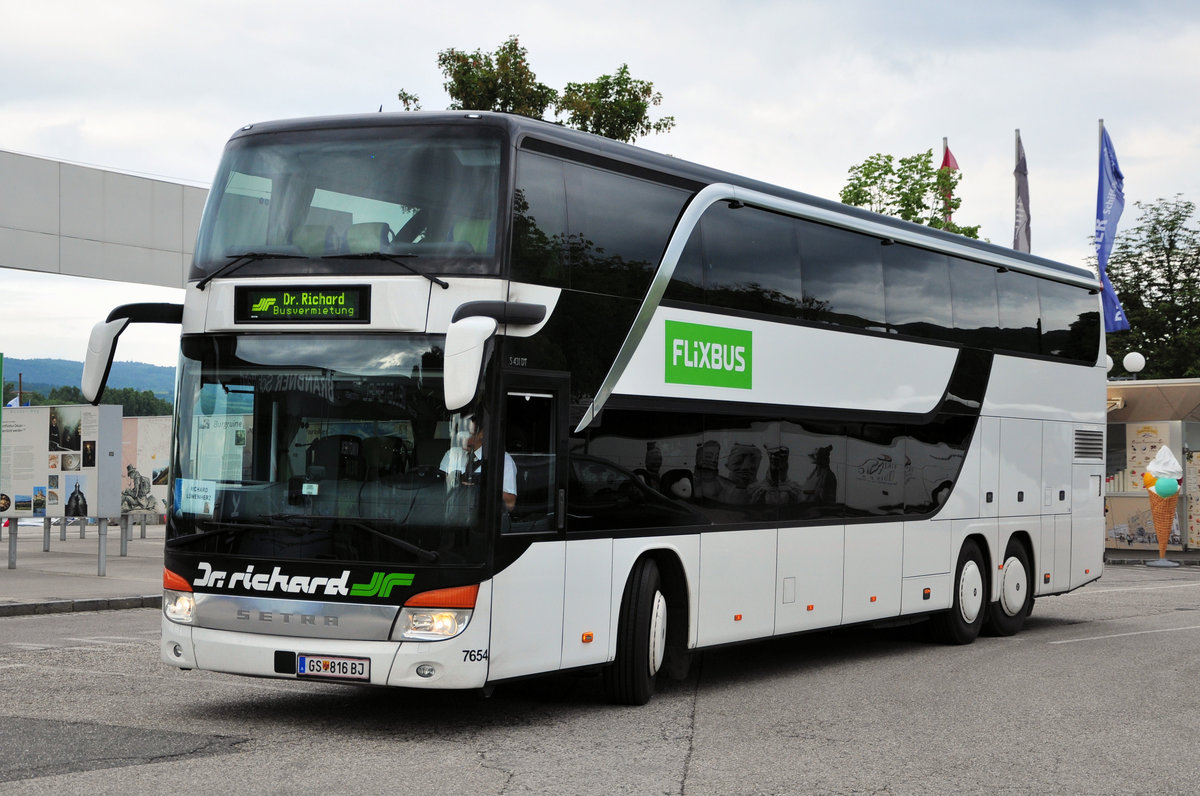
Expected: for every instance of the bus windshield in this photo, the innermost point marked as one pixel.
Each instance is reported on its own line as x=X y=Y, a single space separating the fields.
x=323 y=198
x=319 y=447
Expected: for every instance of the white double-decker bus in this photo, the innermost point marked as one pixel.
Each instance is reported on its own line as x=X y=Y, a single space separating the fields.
x=466 y=397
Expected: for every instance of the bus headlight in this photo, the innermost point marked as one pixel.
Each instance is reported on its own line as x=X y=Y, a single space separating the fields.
x=426 y=624
x=436 y=615
x=179 y=606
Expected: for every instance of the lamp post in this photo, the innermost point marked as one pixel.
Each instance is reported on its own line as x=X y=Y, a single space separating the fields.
x=1133 y=362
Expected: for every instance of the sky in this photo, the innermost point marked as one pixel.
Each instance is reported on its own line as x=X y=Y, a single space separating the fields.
x=790 y=92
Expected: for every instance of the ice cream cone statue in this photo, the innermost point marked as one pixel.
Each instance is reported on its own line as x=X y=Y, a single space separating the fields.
x=1161 y=480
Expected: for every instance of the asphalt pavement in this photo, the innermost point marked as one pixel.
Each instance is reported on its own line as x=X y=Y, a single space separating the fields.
x=67 y=577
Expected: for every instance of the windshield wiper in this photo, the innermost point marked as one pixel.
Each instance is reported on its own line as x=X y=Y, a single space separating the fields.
x=409 y=547
x=398 y=259
x=225 y=527
x=238 y=260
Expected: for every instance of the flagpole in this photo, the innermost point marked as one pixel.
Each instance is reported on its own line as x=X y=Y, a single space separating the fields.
x=946 y=200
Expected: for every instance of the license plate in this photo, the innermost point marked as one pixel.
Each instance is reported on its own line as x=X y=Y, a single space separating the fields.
x=333 y=667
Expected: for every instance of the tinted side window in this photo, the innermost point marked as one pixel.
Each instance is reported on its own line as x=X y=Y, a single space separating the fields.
x=539 y=221
x=916 y=291
x=843 y=276
x=1070 y=322
x=750 y=260
x=973 y=290
x=1018 y=304
x=619 y=227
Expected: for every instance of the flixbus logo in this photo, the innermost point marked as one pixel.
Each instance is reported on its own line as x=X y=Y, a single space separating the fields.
x=263 y=305
x=709 y=356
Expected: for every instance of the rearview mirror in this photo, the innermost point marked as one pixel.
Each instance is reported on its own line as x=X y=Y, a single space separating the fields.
x=466 y=347
x=102 y=344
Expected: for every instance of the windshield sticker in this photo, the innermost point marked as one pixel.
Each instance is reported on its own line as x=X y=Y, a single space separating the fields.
x=709 y=356
x=195 y=497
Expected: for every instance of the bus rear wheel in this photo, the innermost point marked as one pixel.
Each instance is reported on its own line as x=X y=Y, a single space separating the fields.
x=1007 y=615
x=641 y=637
x=962 y=623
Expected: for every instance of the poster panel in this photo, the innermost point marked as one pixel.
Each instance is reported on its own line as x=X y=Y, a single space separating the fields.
x=60 y=461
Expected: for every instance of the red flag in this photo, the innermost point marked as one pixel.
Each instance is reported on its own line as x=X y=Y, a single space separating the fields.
x=948 y=161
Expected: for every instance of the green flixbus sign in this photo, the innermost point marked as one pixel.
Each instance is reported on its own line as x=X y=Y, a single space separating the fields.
x=709 y=356
x=307 y=304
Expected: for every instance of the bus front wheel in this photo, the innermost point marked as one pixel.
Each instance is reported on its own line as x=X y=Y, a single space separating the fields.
x=641 y=637
x=962 y=623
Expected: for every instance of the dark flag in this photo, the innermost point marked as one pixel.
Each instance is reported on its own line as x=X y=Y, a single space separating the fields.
x=1110 y=201
x=1021 y=227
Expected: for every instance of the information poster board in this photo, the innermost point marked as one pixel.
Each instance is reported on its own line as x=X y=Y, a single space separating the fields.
x=145 y=456
x=60 y=461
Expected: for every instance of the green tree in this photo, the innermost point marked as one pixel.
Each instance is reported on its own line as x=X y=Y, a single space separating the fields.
x=910 y=189
x=501 y=81
x=1155 y=269
x=135 y=403
x=616 y=106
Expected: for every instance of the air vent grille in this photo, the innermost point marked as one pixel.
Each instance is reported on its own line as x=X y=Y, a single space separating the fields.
x=1089 y=445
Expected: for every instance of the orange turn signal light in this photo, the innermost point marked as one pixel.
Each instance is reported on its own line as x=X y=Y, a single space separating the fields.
x=175 y=582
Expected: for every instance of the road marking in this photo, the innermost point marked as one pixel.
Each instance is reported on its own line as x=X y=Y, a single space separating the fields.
x=1140 y=588
x=1120 y=635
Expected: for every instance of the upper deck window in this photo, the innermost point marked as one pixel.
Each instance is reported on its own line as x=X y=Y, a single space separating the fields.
x=331 y=198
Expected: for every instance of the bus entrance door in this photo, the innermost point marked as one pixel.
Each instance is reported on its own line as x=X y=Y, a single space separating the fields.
x=528 y=595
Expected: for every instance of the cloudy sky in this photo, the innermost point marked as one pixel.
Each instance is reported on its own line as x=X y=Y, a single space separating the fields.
x=793 y=93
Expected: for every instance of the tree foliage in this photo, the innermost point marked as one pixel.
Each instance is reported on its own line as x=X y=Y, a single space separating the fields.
x=501 y=82
x=136 y=403
x=1155 y=269
x=616 y=106
x=910 y=189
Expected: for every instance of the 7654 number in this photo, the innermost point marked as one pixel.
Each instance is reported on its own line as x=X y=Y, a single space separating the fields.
x=474 y=656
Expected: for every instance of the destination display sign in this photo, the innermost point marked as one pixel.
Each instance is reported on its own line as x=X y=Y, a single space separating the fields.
x=307 y=304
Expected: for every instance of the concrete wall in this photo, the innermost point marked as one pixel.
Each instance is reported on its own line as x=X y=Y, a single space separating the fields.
x=78 y=221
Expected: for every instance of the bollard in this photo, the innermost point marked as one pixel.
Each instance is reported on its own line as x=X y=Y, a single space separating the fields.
x=12 y=544
x=125 y=531
x=82 y=527
x=102 y=552
x=46 y=535
x=62 y=529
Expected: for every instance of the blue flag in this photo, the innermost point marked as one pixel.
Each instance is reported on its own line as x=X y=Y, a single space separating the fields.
x=1110 y=201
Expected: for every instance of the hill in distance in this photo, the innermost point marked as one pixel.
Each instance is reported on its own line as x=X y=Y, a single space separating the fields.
x=42 y=375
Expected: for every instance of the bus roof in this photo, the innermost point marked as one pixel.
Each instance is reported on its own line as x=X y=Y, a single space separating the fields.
x=520 y=128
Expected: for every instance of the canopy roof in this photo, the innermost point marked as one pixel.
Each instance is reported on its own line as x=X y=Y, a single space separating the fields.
x=1153 y=400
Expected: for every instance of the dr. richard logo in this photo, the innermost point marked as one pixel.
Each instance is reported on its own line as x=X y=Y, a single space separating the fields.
x=709 y=356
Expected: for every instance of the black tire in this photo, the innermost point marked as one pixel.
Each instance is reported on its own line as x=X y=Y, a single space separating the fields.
x=962 y=623
x=641 y=637
x=1007 y=615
